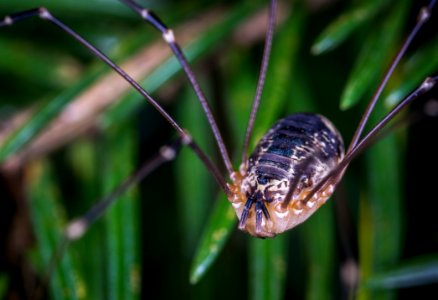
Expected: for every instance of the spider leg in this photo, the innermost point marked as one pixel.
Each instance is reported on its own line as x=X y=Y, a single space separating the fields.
x=358 y=144
x=423 y=17
x=169 y=38
x=335 y=175
x=44 y=14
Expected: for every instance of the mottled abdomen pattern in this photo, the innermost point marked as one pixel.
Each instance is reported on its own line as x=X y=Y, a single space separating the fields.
x=295 y=154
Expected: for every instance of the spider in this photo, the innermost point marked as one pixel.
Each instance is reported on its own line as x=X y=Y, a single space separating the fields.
x=294 y=169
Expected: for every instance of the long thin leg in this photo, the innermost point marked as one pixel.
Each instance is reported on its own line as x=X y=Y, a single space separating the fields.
x=422 y=18
x=426 y=86
x=78 y=227
x=44 y=14
x=262 y=76
x=334 y=176
x=169 y=38
x=357 y=145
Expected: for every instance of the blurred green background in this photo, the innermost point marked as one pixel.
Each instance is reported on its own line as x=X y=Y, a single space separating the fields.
x=174 y=235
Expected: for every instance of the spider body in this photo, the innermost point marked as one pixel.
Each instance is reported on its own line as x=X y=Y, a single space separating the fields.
x=270 y=193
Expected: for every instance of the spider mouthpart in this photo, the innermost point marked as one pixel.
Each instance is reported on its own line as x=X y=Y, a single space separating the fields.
x=260 y=211
x=244 y=215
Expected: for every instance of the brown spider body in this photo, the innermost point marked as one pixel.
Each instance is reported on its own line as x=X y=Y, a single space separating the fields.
x=271 y=192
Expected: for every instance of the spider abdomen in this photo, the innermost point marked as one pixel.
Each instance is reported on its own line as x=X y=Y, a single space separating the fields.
x=294 y=155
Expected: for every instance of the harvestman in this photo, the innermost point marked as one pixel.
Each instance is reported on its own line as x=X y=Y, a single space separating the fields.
x=295 y=167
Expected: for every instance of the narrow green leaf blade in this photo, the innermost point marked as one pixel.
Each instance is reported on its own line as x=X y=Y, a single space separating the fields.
x=267 y=268
x=381 y=213
x=195 y=185
x=48 y=221
x=320 y=244
x=412 y=72
x=122 y=219
x=282 y=65
x=419 y=272
x=217 y=232
x=206 y=42
x=374 y=57
x=42 y=117
x=82 y=157
x=345 y=25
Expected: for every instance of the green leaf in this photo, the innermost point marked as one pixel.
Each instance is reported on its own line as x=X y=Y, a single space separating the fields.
x=70 y=6
x=282 y=66
x=3 y=284
x=48 y=220
x=412 y=72
x=267 y=263
x=374 y=57
x=82 y=158
x=207 y=40
x=420 y=271
x=40 y=119
x=345 y=25
x=122 y=219
x=216 y=233
x=195 y=185
x=380 y=214
x=310 y=256
x=319 y=238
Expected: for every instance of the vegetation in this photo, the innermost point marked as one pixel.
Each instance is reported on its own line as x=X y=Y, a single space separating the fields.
x=81 y=132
